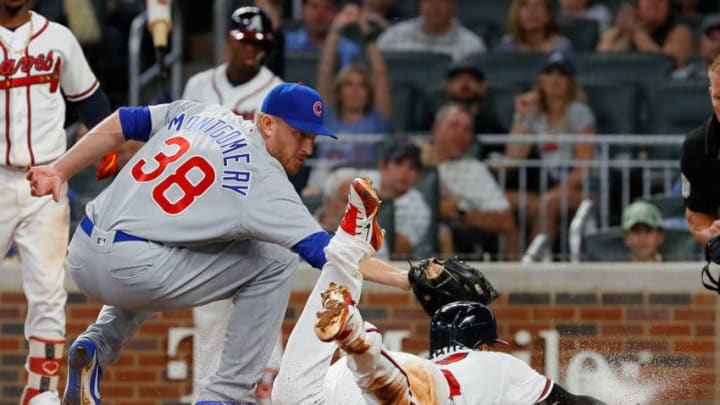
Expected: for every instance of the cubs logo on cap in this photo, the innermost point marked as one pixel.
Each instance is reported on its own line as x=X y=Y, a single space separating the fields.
x=299 y=105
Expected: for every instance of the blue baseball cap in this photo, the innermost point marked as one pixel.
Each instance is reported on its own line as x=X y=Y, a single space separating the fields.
x=299 y=105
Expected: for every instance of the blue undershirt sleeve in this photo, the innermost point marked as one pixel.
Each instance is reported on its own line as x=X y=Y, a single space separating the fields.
x=135 y=123
x=312 y=248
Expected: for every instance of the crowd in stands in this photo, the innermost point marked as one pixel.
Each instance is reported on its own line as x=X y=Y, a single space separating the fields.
x=454 y=70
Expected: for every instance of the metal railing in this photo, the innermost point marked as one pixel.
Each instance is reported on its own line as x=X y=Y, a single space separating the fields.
x=607 y=178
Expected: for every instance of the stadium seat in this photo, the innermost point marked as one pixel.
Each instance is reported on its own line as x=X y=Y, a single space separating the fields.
x=616 y=105
x=486 y=28
x=386 y=220
x=494 y=10
x=516 y=67
x=583 y=33
x=501 y=97
x=418 y=68
x=676 y=108
x=405 y=103
x=429 y=186
x=312 y=202
x=301 y=67
x=645 y=69
x=670 y=206
x=608 y=246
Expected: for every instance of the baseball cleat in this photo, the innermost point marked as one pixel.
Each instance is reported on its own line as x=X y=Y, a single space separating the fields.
x=339 y=320
x=45 y=398
x=84 y=373
x=360 y=219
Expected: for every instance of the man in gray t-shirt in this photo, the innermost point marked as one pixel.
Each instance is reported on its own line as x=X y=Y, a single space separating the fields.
x=204 y=211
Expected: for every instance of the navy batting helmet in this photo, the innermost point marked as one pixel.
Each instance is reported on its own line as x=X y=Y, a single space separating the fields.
x=251 y=24
x=463 y=323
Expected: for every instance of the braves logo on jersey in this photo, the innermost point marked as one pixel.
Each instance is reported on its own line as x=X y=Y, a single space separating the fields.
x=44 y=62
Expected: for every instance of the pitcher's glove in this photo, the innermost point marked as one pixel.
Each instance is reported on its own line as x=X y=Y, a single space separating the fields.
x=436 y=283
x=712 y=254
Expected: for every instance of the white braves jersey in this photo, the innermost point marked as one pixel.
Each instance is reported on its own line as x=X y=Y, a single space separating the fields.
x=33 y=110
x=203 y=176
x=491 y=378
x=212 y=86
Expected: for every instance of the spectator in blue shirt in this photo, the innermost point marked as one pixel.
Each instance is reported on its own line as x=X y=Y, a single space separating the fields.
x=317 y=17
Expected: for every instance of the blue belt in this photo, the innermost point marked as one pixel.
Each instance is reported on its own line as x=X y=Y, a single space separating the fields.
x=120 y=236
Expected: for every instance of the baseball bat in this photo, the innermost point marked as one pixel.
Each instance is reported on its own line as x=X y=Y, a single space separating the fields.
x=159 y=24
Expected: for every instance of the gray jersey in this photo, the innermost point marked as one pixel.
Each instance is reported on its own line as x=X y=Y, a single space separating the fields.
x=203 y=176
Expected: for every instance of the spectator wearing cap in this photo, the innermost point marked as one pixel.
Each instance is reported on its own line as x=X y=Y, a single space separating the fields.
x=317 y=17
x=643 y=231
x=435 y=30
x=466 y=85
x=399 y=169
x=709 y=50
x=649 y=26
x=554 y=107
x=531 y=27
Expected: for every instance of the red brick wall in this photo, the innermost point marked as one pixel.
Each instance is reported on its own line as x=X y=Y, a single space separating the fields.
x=678 y=328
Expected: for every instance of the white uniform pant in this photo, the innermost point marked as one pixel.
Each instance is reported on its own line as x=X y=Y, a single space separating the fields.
x=305 y=375
x=39 y=227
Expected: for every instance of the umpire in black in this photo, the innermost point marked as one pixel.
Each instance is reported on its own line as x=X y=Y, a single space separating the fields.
x=700 y=164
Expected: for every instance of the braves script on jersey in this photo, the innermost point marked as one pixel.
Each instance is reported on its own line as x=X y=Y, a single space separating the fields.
x=204 y=175
x=33 y=110
x=243 y=100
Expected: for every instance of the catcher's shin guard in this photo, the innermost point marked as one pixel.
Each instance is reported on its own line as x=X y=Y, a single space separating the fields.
x=43 y=367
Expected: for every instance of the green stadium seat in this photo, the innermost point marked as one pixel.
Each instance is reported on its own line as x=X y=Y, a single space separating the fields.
x=405 y=103
x=608 y=246
x=486 y=28
x=616 y=105
x=670 y=206
x=418 y=68
x=494 y=10
x=501 y=97
x=301 y=66
x=429 y=186
x=645 y=69
x=583 y=33
x=386 y=220
x=516 y=67
x=676 y=108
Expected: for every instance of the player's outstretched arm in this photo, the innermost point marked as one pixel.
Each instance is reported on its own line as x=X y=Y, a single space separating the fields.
x=558 y=395
x=103 y=138
x=376 y=270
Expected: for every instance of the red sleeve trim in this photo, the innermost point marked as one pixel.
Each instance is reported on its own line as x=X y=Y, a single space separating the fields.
x=546 y=391
x=74 y=97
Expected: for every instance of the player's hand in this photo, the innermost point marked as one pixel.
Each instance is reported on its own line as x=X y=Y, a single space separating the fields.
x=44 y=180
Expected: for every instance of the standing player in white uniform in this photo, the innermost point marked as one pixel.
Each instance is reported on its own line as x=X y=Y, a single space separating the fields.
x=204 y=211
x=39 y=58
x=461 y=370
x=241 y=85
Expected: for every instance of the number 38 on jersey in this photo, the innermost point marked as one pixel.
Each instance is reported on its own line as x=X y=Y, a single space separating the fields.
x=179 y=187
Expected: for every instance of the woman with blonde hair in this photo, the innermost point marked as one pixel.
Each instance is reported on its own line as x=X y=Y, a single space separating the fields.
x=531 y=27
x=554 y=107
x=357 y=100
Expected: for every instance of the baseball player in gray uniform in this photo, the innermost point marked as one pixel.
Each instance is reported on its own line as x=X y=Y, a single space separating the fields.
x=204 y=211
x=240 y=84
